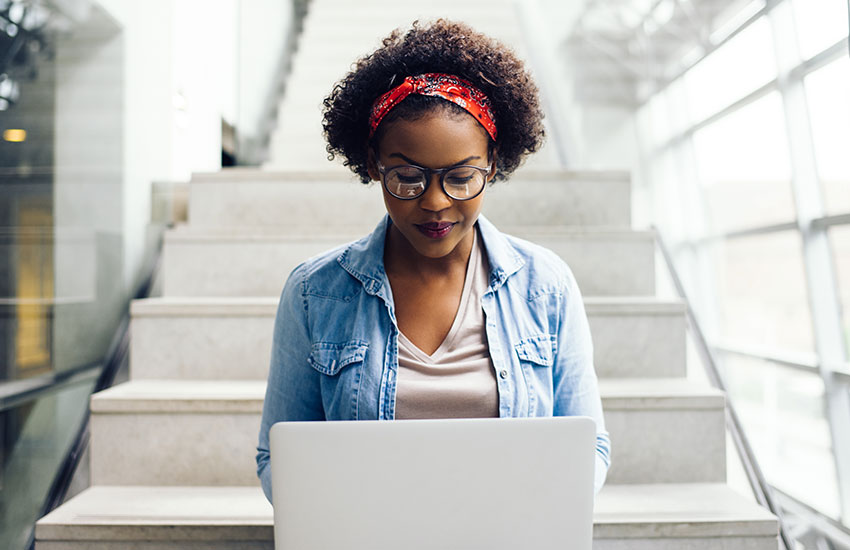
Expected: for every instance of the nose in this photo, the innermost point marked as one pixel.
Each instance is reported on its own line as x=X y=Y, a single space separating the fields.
x=434 y=198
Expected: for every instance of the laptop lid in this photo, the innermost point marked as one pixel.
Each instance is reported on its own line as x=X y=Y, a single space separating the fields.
x=495 y=483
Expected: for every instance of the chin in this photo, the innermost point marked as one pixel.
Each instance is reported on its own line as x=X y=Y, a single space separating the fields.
x=435 y=250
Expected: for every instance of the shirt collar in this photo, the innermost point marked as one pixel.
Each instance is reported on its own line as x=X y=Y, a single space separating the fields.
x=503 y=257
x=364 y=259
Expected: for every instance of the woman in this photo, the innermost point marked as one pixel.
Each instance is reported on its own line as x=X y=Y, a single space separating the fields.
x=436 y=313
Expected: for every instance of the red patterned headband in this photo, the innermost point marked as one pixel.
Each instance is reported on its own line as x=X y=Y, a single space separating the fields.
x=449 y=87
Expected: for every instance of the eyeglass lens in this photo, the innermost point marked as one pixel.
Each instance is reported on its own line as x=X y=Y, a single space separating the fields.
x=410 y=181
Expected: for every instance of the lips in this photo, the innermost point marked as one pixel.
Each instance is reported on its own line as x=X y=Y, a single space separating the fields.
x=435 y=230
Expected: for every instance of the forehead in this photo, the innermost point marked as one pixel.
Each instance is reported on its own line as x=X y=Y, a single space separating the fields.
x=435 y=139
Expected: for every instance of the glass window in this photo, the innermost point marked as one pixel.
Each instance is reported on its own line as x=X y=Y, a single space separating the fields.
x=743 y=165
x=668 y=190
x=732 y=71
x=681 y=117
x=839 y=238
x=827 y=92
x=820 y=24
x=782 y=413
x=658 y=119
x=762 y=300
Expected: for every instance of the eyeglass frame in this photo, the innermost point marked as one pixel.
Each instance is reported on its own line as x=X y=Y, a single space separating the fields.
x=428 y=173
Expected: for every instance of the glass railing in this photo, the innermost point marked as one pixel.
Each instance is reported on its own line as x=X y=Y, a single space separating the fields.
x=36 y=438
x=44 y=418
x=77 y=243
x=73 y=248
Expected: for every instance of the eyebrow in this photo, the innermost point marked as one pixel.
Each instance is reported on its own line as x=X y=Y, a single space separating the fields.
x=411 y=161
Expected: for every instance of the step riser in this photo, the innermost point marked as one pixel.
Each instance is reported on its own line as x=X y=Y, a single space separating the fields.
x=238 y=347
x=285 y=204
x=667 y=446
x=495 y=27
x=174 y=449
x=304 y=149
x=639 y=346
x=309 y=155
x=318 y=40
x=260 y=267
x=726 y=543
x=142 y=517
x=201 y=348
x=154 y=545
x=253 y=204
x=218 y=449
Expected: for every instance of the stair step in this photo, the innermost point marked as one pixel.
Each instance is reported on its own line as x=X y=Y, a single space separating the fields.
x=698 y=516
x=666 y=430
x=306 y=150
x=206 y=432
x=201 y=338
x=230 y=338
x=349 y=46
x=160 y=518
x=322 y=28
x=637 y=337
x=252 y=262
x=248 y=198
x=335 y=35
x=298 y=146
x=493 y=22
x=153 y=432
x=693 y=516
x=309 y=153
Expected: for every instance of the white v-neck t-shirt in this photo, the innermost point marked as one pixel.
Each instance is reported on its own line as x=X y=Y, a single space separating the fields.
x=458 y=379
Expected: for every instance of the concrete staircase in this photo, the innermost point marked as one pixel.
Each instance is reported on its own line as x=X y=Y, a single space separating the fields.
x=172 y=452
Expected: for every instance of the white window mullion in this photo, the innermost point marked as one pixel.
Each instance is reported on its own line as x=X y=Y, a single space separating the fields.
x=818 y=264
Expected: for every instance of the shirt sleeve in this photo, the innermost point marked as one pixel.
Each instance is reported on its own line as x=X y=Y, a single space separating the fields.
x=576 y=389
x=292 y=390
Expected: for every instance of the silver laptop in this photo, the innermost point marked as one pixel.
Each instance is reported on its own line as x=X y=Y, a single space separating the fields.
x=494 y=484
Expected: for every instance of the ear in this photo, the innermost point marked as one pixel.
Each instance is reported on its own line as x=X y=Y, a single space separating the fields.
x=371 y=167
x=494 y=157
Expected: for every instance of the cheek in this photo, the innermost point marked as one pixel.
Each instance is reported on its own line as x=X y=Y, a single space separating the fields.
x=473 y=208
x=395 y=208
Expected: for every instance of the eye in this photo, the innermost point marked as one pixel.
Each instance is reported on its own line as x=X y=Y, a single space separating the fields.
x=459 y=180
x=407 y=175
x=462 y=176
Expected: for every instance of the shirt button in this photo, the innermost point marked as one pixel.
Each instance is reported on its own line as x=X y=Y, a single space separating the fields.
x=503 y=374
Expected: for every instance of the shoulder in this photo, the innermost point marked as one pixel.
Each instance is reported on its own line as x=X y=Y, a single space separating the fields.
x=541 y=270
x=322 y=276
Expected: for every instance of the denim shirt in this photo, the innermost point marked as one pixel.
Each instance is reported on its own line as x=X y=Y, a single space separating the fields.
x=335 y=346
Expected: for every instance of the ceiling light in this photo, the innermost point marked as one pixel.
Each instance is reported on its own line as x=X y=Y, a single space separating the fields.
x=15 y=135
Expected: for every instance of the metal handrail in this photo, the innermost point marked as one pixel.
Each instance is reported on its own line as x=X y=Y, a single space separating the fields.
x=761 y=489
x=801 y=362
x=18 y=392
x=816 y=522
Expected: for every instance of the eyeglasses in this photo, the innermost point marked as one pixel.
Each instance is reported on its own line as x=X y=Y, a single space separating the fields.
x=408 y=181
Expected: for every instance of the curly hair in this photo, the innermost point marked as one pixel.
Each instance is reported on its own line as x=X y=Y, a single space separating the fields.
x=441 y=46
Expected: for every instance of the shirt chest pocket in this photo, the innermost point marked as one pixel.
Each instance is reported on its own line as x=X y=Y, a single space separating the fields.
x=537 y=350
x=536 y=356
x=330 y=358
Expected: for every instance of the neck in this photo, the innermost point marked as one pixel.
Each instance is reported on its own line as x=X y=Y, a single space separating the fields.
x=402 y=258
